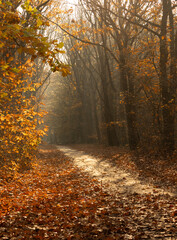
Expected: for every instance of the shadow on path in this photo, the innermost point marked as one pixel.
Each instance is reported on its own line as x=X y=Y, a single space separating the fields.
x=114 y=179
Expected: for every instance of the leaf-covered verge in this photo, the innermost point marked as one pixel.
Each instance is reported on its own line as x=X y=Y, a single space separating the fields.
x=150 y=167
x=54 y=200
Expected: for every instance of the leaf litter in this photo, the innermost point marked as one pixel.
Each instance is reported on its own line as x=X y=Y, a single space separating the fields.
x=113 y=178
x=56 y=200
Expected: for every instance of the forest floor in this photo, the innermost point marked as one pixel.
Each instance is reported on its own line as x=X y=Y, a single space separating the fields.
x=58 y=200
x=149 y=168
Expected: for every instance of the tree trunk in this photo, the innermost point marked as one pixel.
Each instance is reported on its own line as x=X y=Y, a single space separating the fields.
x=127 y=87
x=166 y=84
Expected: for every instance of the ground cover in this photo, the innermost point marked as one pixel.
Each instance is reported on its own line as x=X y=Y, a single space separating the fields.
x=149 y=167
x=56 y=200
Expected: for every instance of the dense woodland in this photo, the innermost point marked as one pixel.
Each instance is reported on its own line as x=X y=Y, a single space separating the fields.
x=122 y=90
x=118 y=81
x=100 y=76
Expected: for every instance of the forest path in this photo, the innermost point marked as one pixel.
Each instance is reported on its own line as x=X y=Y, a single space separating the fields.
x=112 y=178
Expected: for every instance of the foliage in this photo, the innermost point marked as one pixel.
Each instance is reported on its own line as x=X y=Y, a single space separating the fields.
x=21 y=42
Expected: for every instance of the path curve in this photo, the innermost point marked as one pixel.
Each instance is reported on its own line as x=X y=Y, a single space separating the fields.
x=112 y=178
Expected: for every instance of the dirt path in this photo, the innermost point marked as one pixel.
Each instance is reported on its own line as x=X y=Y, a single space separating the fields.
x=57 y=200
x=115 y=180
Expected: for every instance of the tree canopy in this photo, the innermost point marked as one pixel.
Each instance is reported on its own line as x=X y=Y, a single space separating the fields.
x=23 y=45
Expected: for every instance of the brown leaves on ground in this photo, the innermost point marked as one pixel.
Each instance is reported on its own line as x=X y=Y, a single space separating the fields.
x=152 y=167
x=56 y=201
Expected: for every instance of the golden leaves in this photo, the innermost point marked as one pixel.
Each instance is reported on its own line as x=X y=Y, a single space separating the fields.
x=39 y=22
x=19 y=119
x=60 y=45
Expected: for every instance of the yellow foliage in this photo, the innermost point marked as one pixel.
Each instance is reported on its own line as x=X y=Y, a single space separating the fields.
x=19 y=120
